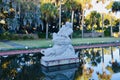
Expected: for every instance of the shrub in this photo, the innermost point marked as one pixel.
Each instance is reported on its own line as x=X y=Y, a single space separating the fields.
x=43 y=35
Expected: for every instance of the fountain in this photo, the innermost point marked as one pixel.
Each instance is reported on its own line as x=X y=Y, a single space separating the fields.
x=62 y=51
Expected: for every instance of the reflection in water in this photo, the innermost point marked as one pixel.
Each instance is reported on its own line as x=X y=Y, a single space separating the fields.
x=83 y=73
x=103 y=64
x=104 y=76
x=93 y=66
x=65 y=72
x=20 y=67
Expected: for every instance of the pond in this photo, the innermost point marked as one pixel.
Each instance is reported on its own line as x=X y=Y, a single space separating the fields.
x=95 y=64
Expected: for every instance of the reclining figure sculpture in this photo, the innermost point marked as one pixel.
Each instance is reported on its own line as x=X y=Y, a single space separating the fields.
x=62 y=46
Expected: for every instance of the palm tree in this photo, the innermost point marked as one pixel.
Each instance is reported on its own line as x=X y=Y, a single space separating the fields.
x=94 y=20
x=70 y=6
x=49 y=12
x=116 y=6
x=107 y=30
x=85 y=5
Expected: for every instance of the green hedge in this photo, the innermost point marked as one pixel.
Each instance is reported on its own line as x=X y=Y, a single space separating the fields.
x=43 y=35
x=10 y=36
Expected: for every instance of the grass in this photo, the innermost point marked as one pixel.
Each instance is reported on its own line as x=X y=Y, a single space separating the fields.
x=4 y=46
x=42 y=43
x=76 y=41
x=34 y=43
x=93 y=40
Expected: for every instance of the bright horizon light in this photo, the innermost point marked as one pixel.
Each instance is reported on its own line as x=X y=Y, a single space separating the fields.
x=100 y=7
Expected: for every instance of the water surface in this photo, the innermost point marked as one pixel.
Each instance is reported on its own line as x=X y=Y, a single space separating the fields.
x=93 y=66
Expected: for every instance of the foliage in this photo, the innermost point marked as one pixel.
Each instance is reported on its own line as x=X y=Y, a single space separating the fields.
x=109 y=6
x=107 y=32
x=67 y=9
x=76 y=34
x=49 y=11
x=85 y=3
x=9 y=17
x=0 y=1
x=116 y=6
x=41 y=35
x=93 y=19
x=117 y=22
x=116 y=25
x=71 y=5
x=12 y=36
x=9 y=67
x=27 y=6
x=106 y=22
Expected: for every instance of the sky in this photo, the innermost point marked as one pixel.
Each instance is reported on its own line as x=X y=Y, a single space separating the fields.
x=100 y=7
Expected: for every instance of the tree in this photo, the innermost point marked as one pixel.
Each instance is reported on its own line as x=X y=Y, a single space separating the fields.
x=49 y=12
x=0 y=1
x=70 y=6
x=116 y=6
x=106 y=22
x=93 y=21
x=85 y=5
x=72 y=12
x=29 y=16
x=8 y=16
x=109 y=6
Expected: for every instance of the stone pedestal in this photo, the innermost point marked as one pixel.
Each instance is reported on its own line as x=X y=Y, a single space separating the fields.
x=59 y=61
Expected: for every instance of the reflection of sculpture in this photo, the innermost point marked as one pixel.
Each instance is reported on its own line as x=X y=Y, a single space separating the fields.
x=62 y=48
x=65 y=72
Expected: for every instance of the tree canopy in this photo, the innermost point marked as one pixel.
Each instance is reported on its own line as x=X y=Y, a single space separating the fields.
x=49 y=11
x=116 y=6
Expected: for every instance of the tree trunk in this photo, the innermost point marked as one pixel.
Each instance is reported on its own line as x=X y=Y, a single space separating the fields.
x=60 y=16
x=103 y=66
x=72 y=18
x=119 y=27
x=47 y=30
x=102 y=24
x=111 y=27
x=92 y=31
x=82 y=23
x=94 y=22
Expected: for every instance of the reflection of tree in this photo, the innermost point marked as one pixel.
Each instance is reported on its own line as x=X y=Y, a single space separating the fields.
x=93 y=57
x=83 y=73
x=115 y=66
x=104 y=76
x=21 y=67
x=30 y=73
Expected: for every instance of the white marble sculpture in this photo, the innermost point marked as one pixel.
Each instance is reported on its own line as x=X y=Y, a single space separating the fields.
x=62 y=47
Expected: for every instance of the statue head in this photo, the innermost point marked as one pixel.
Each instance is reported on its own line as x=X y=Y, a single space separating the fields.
x=68 y=24
x=69 y=29
x=66 y=29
